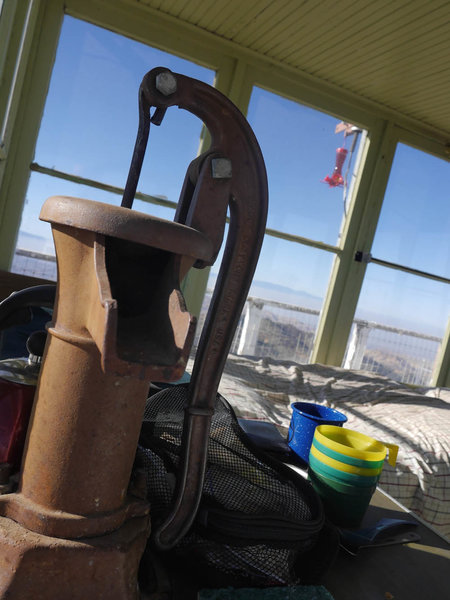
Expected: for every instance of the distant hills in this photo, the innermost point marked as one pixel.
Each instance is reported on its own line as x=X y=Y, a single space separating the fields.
x=35 y=243
x=287 y=295
x=278 y=293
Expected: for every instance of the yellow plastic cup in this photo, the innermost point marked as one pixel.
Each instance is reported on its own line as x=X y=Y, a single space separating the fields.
x=355 y=444
x=341 y=466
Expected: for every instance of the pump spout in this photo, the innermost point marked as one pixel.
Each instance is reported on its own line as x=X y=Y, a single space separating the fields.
x=130 y=265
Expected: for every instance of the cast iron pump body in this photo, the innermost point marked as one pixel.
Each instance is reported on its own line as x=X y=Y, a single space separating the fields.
x=73 y=529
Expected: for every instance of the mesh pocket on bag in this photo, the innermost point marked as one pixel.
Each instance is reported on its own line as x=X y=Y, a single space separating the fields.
x=256 y=517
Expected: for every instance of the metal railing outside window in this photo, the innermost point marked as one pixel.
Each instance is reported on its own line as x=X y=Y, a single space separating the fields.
x=286 y=332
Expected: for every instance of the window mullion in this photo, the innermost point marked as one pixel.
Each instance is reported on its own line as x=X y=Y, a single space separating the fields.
x=35 y=70
x=347 y=274
x=441 y=373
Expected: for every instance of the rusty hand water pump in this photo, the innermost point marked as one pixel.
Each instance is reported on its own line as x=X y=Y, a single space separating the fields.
x=73 y=528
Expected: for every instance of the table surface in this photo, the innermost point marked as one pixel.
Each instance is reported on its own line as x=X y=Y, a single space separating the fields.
x=418 y=570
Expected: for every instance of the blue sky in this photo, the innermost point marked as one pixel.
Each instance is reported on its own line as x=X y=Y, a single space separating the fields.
x=89 y=128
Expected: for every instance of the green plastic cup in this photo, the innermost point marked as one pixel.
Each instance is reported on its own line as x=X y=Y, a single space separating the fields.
x=344 y=504
x=349 y=460
x=342 y=476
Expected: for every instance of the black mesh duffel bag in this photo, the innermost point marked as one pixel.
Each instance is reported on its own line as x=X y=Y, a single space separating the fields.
x=259 y=523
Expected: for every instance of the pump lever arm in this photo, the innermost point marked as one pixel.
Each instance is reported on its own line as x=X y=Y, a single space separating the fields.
x=232 y=176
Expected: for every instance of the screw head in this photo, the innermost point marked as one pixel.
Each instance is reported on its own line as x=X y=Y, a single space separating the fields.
x=166 y=83
x=221 y=168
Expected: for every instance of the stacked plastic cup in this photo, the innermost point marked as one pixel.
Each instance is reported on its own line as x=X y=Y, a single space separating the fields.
x=344 y=469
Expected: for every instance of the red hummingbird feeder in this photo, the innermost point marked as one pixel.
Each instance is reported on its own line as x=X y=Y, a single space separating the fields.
x=336 y=178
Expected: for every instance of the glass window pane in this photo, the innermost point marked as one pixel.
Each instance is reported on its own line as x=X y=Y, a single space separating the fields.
x=90 y=123
x=285 y=299
x=292 y=273
x=414 y=224
x=35 y=237
x=91 y=112
x=399 y=324
x=299 y=146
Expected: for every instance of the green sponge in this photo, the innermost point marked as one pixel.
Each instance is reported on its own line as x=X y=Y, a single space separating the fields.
x=298 y=592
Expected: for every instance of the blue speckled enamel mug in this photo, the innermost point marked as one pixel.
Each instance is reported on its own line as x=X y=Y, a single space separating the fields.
x=306 y=416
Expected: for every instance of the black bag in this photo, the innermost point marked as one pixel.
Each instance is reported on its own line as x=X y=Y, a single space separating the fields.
x=259 y=522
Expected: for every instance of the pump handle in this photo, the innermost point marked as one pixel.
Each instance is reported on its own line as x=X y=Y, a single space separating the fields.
x=231 y=176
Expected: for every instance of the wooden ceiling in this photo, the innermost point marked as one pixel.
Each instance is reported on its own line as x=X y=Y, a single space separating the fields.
x=395 y=53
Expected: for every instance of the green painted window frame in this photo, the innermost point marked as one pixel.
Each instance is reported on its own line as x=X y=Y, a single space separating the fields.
x=238 y=70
